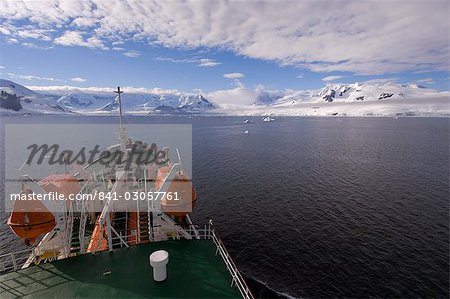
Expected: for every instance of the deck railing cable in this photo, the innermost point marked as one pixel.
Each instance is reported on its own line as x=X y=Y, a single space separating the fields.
x=16 y=260
x=237 y=278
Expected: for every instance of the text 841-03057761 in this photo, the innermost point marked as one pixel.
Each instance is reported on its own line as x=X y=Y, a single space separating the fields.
x=138 y=195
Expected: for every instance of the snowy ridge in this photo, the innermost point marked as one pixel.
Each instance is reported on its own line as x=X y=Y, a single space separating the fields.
x=19 y=99
x=288 y=97
x=344 y=93
x=370 y=92
x=149 y=103
x=357 y=99
x=15 y=98
x=195 y=103
x=80 y=100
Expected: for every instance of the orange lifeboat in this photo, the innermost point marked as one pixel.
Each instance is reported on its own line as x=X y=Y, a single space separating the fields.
x=62 y=183
x=186 y=194
x=98 y=238
x=30 y=219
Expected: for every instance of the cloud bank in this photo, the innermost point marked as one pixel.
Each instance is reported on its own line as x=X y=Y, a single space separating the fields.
x=331 y=78
x=204 y=62
x=234 y=75
x=362 y=37
x=78 y=79
x=62 y=89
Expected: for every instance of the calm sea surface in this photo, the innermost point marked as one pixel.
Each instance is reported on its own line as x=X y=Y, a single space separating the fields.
x=319 y=207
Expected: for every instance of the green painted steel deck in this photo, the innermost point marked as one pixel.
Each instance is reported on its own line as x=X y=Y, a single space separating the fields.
x=194 y=271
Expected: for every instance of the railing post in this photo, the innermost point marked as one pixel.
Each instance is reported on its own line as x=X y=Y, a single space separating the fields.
x=233 y=280
x=13 y=258
x=236 y=278
x=138 y=224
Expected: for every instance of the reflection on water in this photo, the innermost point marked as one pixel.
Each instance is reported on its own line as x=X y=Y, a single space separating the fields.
x=323 y=207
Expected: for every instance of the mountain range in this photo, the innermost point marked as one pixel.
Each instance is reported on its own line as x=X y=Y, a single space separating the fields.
x=356 y=99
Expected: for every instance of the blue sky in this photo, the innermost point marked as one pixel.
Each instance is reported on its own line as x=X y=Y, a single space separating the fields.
x=190 y=46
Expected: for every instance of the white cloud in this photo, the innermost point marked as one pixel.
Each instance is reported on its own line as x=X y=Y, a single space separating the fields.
x=35 y=34
x=131 y=54
x=32 y=77
x=33 y=46
x=2 y=67
x=299 y=76
x=364 y=37
x=236 y=79
x=331 y=78
x=203 y=62
x=78 y=79
x=75 y=38
x=424 y=81
x=12 y=41
x=60 y=89
x=381 y=80
x=4 y=31
x=84 y=22
x=237 y=96
x=234 y=75
x=208 y=62
x=24 y=32
x=174 y=60
x=70 y=38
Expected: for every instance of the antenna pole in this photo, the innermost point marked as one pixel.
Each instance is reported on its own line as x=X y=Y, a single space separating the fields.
x=122 y=136
x=120 y=105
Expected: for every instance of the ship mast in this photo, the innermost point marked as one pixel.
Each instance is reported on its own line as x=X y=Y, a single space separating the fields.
x=122 y=135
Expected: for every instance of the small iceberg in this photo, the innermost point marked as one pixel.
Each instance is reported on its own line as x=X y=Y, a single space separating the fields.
x=247 y=121
x=246 y=132
x=268 y=118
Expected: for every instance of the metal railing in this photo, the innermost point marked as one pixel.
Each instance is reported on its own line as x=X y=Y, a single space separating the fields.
x=16 y=260
x=237 y=278
x=68 y=228
x=83 y=216
x=82 y=227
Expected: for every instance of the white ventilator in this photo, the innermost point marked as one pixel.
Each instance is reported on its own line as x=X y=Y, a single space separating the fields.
x=159 y=260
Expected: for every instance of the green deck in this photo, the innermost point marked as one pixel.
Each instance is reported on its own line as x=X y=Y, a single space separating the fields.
x=194 y=271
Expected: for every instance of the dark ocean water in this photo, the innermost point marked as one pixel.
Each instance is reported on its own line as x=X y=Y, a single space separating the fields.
x=322 y=207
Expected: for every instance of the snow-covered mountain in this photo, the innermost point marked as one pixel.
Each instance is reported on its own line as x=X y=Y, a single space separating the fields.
x=370 y=92
x=15 y=98
x=268 y=97
x=81 y=100
x=282 y=97
x=133 y=102
x=195 y=103
x=343 y=93
x=150 y=102
x=356 y=99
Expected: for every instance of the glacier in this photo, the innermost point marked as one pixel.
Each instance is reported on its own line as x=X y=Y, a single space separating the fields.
x=26 y=101
x=356 y=99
